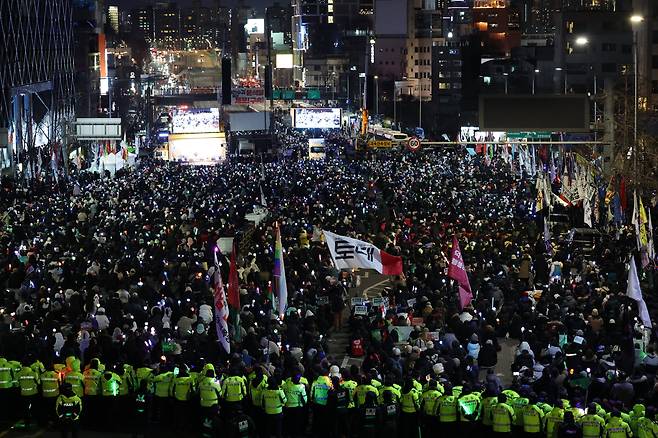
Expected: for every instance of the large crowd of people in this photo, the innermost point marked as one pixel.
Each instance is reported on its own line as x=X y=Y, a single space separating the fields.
x=109 y=298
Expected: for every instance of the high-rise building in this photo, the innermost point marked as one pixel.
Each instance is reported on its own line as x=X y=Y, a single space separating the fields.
x=498 y=25
x=647 y=46
x=591 y=45
x=537 y=16
x=455 y=77
x=333 y=28
x=142 y=23
x=36 y=80
x=405 y=32
x=113 y=17
x=167 y=23
x=278 y=20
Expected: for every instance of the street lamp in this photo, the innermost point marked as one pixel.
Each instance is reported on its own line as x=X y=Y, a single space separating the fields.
x=582 y=41
x=505 y=75
x=559 y=69
x=534 y=75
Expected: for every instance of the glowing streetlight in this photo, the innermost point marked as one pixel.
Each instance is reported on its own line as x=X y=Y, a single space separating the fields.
x=582 y=41
x=635 y=19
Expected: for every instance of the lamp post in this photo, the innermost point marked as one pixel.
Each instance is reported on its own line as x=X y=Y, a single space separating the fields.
x=395 y=103
x=505 y=75
x=534 y=75
x=420 y=102
x=636 y=20
x=560 y=69
x=376 y=78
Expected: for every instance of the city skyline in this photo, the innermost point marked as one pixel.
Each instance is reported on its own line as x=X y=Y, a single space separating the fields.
x=258 y=4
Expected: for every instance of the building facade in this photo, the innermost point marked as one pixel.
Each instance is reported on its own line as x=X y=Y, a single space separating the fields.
x=36 y=79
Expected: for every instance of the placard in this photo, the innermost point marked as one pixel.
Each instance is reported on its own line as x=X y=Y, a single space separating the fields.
x=411 y=302
x=379 y=301
x=356 y=301
x=360 y=310
x=322 y=300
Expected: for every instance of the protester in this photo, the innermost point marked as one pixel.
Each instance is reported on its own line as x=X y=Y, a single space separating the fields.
x=123 y=274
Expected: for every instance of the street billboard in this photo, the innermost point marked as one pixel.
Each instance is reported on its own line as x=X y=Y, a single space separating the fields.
x=249 y=121
x=284 y=60
x=312 y=118
x=560 y=113
x=248 y=95
x=98 y=128
x=255 y=25
x=198 y=148
x=195 y=120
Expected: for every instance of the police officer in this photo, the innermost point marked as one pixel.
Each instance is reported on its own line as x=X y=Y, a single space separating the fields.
x=362 y=389
x=646 y=426
x=92 y=389
x=447 y=411
x=429 y=403
x=50 y=381
x=28 y=381
x=533 y=417
x=502 y=416
x=553 y=419
x=142 y=404
x=242 y=426
x=128 y=381
x=569 y=428
x=234 y=390
x=490 y=398
x=210 y=391
x=616 y=427
x=256 y=386
x=638 y=411
x=75 y=378
x=183 y=388
x=592 y=423
x=68 y=407
x=110 y=389
x=144 y=373
x=390 y=411
x=410 y=405
x=518 y=404
x=296 y=399
x=389 y=386
x=370 y=416
x=319 y=399
x=162 y=389
x=6 y=388
x=274 y=399
x=469 y=409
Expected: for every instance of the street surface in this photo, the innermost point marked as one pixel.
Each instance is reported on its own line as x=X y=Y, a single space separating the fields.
x=372 y=284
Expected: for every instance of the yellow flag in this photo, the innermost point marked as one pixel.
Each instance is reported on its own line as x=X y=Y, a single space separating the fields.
x=644 y=238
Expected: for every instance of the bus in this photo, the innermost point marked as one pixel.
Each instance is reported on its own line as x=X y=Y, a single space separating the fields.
x=316 y=149
x=398 y=138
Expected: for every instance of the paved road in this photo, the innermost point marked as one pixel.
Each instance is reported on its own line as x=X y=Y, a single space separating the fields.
x=372 y=283
x=8 y=432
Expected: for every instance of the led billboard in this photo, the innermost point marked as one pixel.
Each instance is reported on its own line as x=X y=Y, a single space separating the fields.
x=322 y=118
